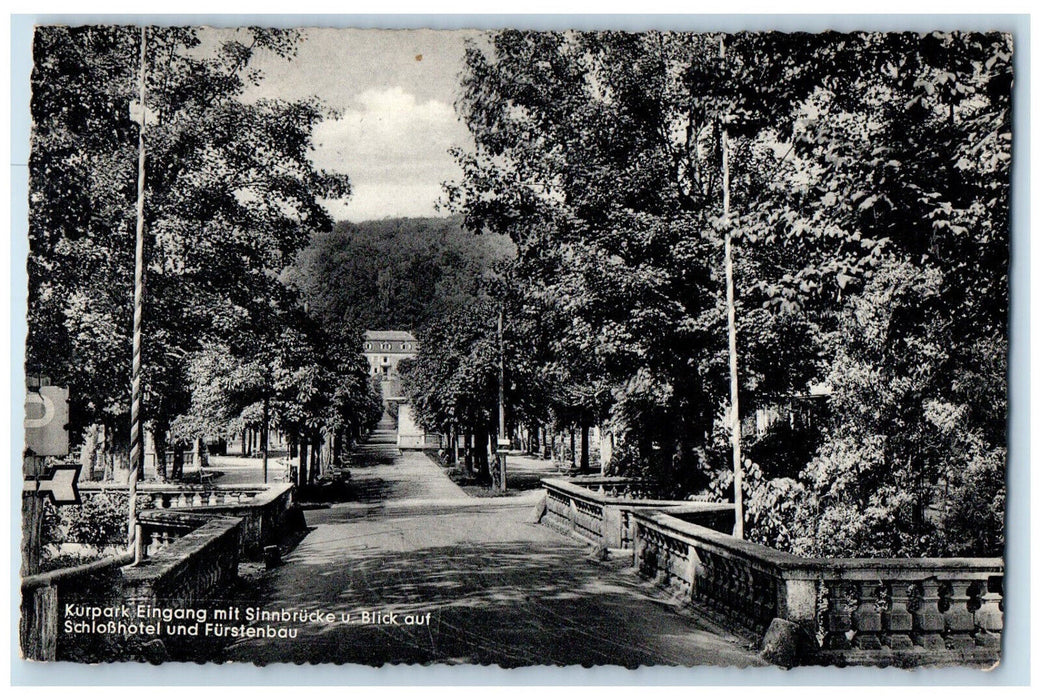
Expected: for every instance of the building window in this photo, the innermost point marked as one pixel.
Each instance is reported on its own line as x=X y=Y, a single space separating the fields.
x=385 y=346
x=368 y=346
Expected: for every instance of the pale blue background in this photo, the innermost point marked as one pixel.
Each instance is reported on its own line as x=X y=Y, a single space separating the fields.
x=1016 y=655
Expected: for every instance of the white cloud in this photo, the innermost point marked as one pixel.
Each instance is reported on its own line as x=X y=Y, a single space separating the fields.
x=374 y=201
x=395 y=151
x=389 y=127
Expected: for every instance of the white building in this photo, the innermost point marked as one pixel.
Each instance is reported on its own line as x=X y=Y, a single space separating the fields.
x=384 y=350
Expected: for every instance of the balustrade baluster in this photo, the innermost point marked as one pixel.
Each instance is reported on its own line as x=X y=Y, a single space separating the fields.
x=714 y=593
x=896 y=621
x=958 y=620
x=765 y=597
x=928 y=621
x=729 y=586
x=989 y=617
x=839 y=617
x=746 y=597
x=867 y=619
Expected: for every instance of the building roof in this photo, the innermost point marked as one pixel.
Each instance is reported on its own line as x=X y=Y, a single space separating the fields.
x=389 y=335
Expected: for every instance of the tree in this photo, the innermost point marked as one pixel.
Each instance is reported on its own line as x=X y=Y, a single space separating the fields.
x=852 y=156
x=232 y=195
x=394 y=273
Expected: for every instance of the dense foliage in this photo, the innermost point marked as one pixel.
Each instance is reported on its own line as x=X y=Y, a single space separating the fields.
x=232 y=196
x=869 y=190
x=395 y=274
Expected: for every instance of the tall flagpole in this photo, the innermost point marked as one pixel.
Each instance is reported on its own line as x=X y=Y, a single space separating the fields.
x=136 y=440
x=735 y=416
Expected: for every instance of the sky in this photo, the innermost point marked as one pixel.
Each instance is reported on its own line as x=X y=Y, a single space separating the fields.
x=394 y=93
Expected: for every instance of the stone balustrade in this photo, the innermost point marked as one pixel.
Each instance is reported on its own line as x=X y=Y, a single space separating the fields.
x=189 y=569
x=870 y=611
x=266 y=516
x=266 y=510
x=600 y=509
x=162 y=496
x=160 y=528
x=189 y=559
x=191 y=541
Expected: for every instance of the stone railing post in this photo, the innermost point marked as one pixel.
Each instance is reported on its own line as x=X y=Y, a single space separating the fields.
x=867 y=618
x=957 y=618
x=928 y=622
x=989 y=618
x=897 y=619
x=838 y=620
x=797 y=600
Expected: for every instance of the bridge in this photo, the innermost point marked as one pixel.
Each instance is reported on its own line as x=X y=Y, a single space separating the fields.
x=478 y=581
x=583 y=571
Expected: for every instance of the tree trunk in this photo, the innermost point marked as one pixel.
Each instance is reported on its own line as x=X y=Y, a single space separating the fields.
x=177 y=468
x=481 y=455
x=265 y=437
x=316 y=452
x=159 y=443
x=468 y=455
x=201 y=460
x=583 y=463
x=88 y=455
x=338 y=448
x=301 y=476
x=571 y=457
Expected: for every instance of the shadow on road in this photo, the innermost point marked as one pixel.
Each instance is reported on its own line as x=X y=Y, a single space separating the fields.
x=539 y=600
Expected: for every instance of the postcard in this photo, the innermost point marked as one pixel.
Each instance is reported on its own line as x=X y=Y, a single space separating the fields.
x=516 y=348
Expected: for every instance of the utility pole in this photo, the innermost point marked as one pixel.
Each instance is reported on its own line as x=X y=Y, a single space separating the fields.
x=136 y=438
x=504 y=442
x=735 y=416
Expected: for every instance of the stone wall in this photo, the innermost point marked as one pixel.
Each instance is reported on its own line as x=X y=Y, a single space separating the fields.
x=192 y=538
x=267 y=511
x=188 y=569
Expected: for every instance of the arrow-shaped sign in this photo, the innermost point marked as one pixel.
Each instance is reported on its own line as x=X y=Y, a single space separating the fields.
x=60 y=484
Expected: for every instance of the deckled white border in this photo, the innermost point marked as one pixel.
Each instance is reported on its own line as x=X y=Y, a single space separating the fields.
x=1015 y=667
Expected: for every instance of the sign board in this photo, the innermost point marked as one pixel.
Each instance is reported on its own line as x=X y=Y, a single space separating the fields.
x=60 y=483
x=503 y=442
x=46 y=421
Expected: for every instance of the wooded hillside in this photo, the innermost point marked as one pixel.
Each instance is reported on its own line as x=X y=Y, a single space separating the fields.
x=395 y=273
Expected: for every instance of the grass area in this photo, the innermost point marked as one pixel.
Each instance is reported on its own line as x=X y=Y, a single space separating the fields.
x=523 y=473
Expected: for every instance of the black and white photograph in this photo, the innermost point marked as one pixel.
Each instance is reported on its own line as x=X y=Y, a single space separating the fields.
x=516 y=347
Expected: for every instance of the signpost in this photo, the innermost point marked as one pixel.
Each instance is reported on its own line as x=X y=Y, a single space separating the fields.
x=60 y=483
x=46 y=435
x=46 y=418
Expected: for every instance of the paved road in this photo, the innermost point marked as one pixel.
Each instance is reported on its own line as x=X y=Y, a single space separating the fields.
x=498 y=588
